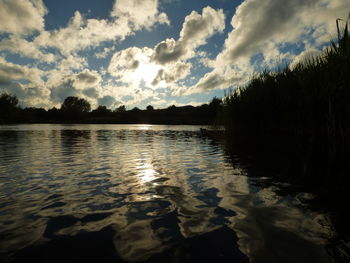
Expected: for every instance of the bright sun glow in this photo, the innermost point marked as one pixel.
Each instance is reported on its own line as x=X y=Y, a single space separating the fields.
x=146 y=72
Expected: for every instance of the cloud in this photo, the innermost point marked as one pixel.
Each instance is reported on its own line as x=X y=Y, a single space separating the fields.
x=68 y=74
x=87 y=78
x=71 y=62
x=24 y=82
x=108 y=101
x=217 y=80
x=257 y=23
x=22 y=17
x=83 y=84
x=127 y=17
x=103 y=54
x=167 y=63
x=68 y=87
x=28 y=95
x=81 y=33
x=62 y=91
x=91 y=93
x=11 y=72
x=134 y=66
x=260 y=28
x=196 y=29
x=127 y=59
x=264 y=27
x=139 y=13
x=18 y=45
x=172 y=73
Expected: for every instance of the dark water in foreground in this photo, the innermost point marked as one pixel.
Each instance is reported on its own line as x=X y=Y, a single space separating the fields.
x=123 y=193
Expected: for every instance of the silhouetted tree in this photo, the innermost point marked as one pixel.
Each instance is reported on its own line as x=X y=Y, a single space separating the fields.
x=149 y=108
x=32 y=114
x=8 y=102
x=74 y=108
x=75 y=105
x=120 y=109
x=101 y=111
x=8 y=108
x=53 y=114
x=171 y=108
x=135 y=109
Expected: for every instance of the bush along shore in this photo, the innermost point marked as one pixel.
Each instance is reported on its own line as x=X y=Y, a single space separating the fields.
x=303 y=111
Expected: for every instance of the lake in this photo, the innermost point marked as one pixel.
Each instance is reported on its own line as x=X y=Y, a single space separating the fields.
x=148 y=193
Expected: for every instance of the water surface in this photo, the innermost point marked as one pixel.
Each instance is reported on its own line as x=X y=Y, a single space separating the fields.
x=135 y=193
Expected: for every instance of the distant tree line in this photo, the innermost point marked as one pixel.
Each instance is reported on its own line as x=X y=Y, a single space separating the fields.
x=78 y=110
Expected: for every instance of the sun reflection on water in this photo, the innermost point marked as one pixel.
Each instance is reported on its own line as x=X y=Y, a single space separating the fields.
x=145 y=127
x=148 y=175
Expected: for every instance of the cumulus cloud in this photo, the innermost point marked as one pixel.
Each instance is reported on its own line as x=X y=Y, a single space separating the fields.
x=28 y=94
x=167 y=63
x=68 y=87
x=218 y=79
x=25 y=82
x=257 y=23
x=60 y=92
x=127 y=17
x=139 y=13
x=21 y=46
x=196 y=29
x=133 y=66
x=127 y=59
x=87 y=78
x=22 y=17
x=83 y=84
x=173 y=73
x=10 y=71
x=108 y=101
x=263 y=27
x=81 y=33
x=103 y=54
x=68 y=74
x=71 y=62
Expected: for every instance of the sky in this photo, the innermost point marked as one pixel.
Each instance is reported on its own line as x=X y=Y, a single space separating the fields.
x=153 y=52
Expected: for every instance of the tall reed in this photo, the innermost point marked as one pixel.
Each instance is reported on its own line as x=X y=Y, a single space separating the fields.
x=307 y=105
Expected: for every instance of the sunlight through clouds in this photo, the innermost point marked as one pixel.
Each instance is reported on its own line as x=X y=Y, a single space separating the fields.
x=147 y=52
x=134 y=66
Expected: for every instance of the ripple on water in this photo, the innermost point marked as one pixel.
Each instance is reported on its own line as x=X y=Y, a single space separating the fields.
x=125 y=193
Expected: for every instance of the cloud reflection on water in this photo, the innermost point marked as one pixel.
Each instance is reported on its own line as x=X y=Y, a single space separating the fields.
x=154 y=187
